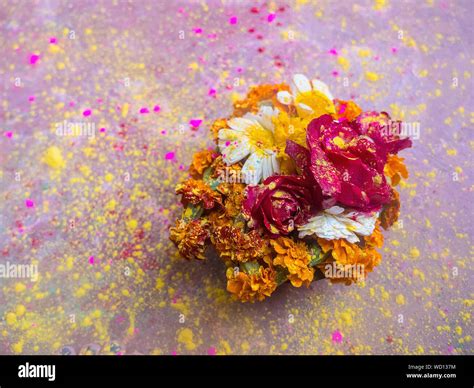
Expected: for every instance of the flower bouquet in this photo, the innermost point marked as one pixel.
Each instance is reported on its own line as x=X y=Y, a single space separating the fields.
x=297 y=189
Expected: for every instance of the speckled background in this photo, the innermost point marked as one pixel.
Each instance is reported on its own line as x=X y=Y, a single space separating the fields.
x=93 y=213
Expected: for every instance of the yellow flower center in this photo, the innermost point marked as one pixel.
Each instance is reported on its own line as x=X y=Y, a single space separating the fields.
x=259 y=138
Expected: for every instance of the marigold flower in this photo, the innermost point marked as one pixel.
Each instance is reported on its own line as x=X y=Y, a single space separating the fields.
x=196 y=192
x=231 y=243
x=347 y=110
x=295 y=257
x=201 y=161
x=395 y=169
x=346 y=253
x=190 y=238
x=251 y=287
x=390 y=211
x=217 y=126
x=256 y=95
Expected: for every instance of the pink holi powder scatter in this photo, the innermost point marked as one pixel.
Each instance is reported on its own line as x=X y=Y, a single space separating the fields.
x=333 y=51
x=144 y=111
x=9 y=134
x=197 y=31
x=233 y=20
x=29 y=203
x=87 y=112
x=394 y=50
x=91 y=260
x=53 y=40
x=271 y=17
x=34 y=58
x=195 y=122
x=156 y=108
x=102 y=129
x=31 y=98
x=169 y=155
x=337 y=336
x=212 y=92
x=211 y=351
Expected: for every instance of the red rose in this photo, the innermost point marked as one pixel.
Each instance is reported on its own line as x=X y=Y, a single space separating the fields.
x=282 y=203
x=347 y=159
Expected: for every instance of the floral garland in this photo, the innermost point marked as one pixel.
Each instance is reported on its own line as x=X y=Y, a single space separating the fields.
x=296 y=190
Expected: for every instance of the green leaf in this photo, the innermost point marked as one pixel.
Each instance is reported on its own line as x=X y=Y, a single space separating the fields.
x=250 y=267
x=317 y=256
x=192 y=212
x=281 y=276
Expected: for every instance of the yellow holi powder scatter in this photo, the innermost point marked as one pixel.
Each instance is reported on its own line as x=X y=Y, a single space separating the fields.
x=414 y=252
x=185 y=337
x=452 y=152
x=400 y=299
x=10 y=318
x=371 y=76
x=53 y=158
x=17 y=347
x=109 y=177
x=20 y=287
x=379 y=4
x=132 y=225
x=125 y=110
x=344 y=62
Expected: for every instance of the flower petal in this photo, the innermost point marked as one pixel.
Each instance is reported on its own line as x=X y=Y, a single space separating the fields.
x=301 y=83
x=320 y=86
x=284 y=97
x=252 y=169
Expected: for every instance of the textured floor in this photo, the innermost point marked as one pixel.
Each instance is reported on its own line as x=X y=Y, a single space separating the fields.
x=92 y=212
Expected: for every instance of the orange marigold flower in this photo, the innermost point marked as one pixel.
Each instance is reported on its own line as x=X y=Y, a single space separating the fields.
x=251 y=287
x=390 y=211
x=258 y=94
x=347 y=109
x=348 y=254
x=190 y=238
x=196 y=192
x=231 y=243
x=295 y=257
x=234 y=197
x=201 y=161
x=395 y=169
x=216 y=127
x=375 y=240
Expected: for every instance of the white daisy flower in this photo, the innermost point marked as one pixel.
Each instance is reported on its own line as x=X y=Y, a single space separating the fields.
x=251 y=136
x=309 y=97
x=336 y=223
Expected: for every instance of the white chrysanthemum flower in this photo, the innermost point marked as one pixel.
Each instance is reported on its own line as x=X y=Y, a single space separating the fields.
x=251 y=136
x=309 y=97
x=336 y=223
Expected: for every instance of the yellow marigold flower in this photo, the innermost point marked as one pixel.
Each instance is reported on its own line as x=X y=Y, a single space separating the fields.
x=295 y=257
x=395 y=169
x=256 y=95
x=231 y=243
x=347 y=109
x=251 y=287
x=201 y=161
x=197 y=192
x=190 y=238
